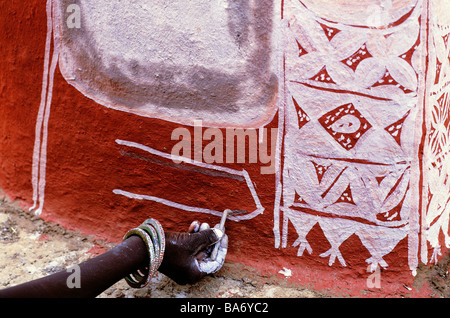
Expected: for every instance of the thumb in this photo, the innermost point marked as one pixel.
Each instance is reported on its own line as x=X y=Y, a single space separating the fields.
x=205 y=238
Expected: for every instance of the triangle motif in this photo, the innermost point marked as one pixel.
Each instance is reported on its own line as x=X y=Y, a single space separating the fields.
x=329 y=31
x=395 y=129
x=303 y=118
x=301 y=50
x=299 y=199
x=320 y=170
x=323 y=76
x=346 y=196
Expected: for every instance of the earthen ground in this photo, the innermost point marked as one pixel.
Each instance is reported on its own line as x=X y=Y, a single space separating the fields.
x=31 y=248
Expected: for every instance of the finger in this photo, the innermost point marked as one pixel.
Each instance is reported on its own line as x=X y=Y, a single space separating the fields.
x=203 y=239
x=194 y=227
x=204 y=226
x=206 y=252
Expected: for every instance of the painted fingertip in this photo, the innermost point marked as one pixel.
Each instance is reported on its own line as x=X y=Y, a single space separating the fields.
x=204 y=226
x=194 y=227
x=218 y=233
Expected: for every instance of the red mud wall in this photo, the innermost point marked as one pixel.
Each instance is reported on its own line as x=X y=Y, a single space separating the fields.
x=82 y=149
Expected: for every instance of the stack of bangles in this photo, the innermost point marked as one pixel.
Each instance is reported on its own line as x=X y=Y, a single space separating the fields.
x=151 y=232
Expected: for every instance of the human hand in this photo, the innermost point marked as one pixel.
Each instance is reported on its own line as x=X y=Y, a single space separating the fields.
x=187 y=257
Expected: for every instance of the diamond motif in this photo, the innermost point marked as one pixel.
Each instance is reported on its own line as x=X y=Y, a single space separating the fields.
x=345 y=124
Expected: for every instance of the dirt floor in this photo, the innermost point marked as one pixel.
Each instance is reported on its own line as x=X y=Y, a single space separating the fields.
x=31 y=248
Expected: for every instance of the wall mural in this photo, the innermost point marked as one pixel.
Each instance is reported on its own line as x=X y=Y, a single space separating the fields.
x=363 y=118
x=355 y=101
x=436 y=209
x=352 y=104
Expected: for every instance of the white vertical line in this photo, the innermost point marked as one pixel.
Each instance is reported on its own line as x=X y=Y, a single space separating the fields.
x=40 y=116
x=415 y=220
x=43 y=157
x=281 y=106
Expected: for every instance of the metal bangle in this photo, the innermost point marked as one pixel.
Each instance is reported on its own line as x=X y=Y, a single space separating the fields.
x=156 y=245
x=160 y=239
x=140 y=278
